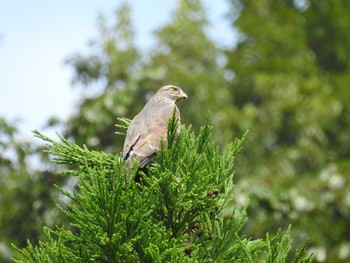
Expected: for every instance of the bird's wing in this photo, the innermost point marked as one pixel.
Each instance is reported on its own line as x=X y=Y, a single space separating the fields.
x=146 y=131
x=133 y=134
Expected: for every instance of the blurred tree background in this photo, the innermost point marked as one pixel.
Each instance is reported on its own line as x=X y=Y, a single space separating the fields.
x=285 y=80
x=290 y=89
x=27 y=194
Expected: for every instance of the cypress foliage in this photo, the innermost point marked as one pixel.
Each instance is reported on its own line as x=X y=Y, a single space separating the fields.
x=174 y=214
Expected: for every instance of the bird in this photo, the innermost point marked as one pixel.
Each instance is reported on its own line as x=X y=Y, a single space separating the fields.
x=149 y=127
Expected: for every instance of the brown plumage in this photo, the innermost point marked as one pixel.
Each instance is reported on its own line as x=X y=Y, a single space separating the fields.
x=149 y=127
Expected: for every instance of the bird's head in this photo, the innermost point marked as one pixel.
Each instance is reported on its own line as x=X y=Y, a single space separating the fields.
x=171 y=92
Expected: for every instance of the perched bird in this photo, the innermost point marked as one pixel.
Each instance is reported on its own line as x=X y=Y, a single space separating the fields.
x=149 y=127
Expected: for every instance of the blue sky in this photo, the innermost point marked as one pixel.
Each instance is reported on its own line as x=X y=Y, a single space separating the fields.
x=37 y=36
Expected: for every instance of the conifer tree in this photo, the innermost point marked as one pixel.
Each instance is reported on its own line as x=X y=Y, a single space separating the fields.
x=174 y=214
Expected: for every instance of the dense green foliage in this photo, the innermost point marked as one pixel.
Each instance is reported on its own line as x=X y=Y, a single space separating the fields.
x=285 y=80
x=289 y=88
x=175 y=214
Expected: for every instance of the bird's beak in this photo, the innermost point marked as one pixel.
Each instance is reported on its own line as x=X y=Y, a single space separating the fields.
x=183 y=95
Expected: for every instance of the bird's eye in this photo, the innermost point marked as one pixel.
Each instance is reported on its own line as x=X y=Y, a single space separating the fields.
x=172 y=89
